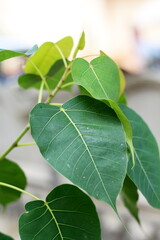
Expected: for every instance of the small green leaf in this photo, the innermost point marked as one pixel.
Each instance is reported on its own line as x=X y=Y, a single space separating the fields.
x=27 y=81
x=47 y=54
x=68 y=213
x=32 y=50
x=12 y=174
x=100 y=77
x=130 y=197
x=146 y=173
x=84 y=140
x=5 y=237
x=6 y=54
x=81 y=43
x=122 y=99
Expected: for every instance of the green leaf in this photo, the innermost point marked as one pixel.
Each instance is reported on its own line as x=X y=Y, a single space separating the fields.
x=84 y=140
x=100 y=77
x=146 y=173
x=27 y=81
x=47 y=54
x=68 y=213
x=32 y=50
x=81 y=43
x=130 y=197
x=6 y=54
x=5 y=237
x=122 y=99
x=12 y=174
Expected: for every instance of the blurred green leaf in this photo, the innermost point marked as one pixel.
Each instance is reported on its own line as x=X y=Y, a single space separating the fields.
x=12 y=174
x=6 y=54
x=32 y=50
x=129 y=196
x=68 y=213
x=5 y=237
x=47 y=54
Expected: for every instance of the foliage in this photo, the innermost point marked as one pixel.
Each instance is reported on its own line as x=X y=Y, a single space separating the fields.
x=93 y=139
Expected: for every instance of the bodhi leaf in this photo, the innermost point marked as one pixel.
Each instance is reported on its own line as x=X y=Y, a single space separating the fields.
x=47 y=54
x=68 y=213
x=83 y=140
x=81 y=45
x=100 y=77
x=146 y=173
x=130 y=197
x=27 y=81
x=6 y=54
x=10 y=173
x=32 y=50
x=5 y=237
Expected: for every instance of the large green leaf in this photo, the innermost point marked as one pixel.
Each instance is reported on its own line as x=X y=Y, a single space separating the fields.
x=28 y=80
x=130 y=197
x=100 y=77
x=146 y=173
x=84 y=140
x=12 y=174
x=6 y=54
x=68 y=213
x=47 y=54
x=5 y=237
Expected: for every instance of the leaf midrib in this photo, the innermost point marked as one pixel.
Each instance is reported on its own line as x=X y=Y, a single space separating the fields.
x=62 y=109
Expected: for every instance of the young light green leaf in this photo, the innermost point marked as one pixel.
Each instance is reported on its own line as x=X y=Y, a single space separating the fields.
x=84 y=140
x=47 y=54
x=12 y=174
x=129 y=196
x=32 y=50
x=81 y=45
x=5 y=237
x=27 y=81
x=122 y=99
x=100 y=77
x=6 y=54
x=68 y=213
x=146 y=173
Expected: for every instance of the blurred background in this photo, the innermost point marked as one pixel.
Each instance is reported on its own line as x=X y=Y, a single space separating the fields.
x=126 y=30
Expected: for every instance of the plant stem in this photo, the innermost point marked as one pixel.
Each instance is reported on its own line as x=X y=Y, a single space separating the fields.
x=41 y=75
x=14 y=144
x=19 y=190
x=26 y=144
x=57 y=88
x=57 y=104
x=67 y=84
x=61 y=53
x=41 y=92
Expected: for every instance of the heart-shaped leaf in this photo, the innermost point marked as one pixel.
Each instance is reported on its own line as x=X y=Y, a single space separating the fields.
x=84 y=140
x=130 y=197
x=146 y=173
x=12 y=174
x=100 y=77
x=28 y=80
x=47 y=54
x=68 y=213
x=5 y=237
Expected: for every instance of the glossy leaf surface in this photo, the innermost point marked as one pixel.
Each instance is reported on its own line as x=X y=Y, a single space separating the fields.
x=68 y=213
x=146 y=173
x=100 y=77
x=6 y=54
x=47 y=54
x=130 y=197
x=12 y=174
x=84 y=140
x=5 y=237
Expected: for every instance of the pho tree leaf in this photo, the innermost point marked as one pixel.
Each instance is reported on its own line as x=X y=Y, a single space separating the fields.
x=27 y=81
x=68 y=213
x=146 y=173
x=47 y=54
x=81 y=43
x=84 y=140
x=100 y=77
x=122 y=99
x=5 y=237
x=12 y=174
x=6 y=54
x=32 y=50
x=129 y=196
